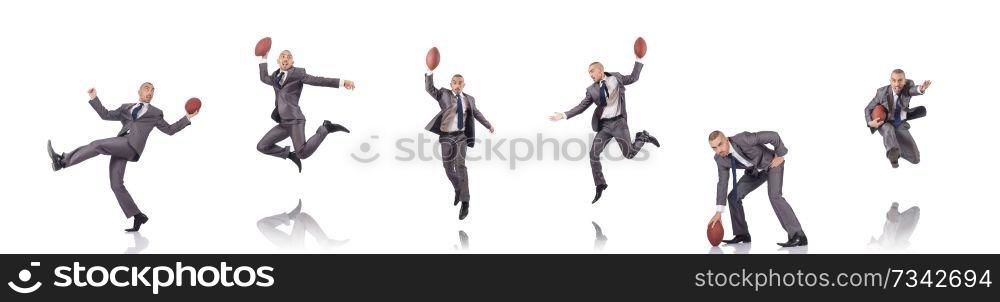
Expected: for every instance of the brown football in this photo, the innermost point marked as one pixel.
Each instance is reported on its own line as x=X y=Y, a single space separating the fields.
x=433 y=58
x=263 y=46
x=640 y=47
x=192 y=105
x=879 y=113
x=715 y=233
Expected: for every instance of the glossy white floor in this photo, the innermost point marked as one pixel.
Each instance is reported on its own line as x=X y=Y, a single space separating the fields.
x=542 y=208
x=799 y=69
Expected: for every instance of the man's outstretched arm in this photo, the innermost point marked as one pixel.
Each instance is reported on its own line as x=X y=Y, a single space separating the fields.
x=265 y=77
x=171 y=129
x=104 y=113
x=576 y=110
x=327 y=82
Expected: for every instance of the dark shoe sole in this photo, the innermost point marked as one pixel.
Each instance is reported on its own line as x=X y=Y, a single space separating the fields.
x=600 y=192
x=56 y=166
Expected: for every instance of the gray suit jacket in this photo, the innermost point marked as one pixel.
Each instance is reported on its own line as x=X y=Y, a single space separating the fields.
x=286 y=97
x=884 y=97
x=137 y=131
x=751 y=145
x=594 y=94
x=446 y=100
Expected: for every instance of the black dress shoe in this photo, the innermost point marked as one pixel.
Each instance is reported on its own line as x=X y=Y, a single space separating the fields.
x=57 y=160
x=600 y=190
x=916 y=112
x=464 y=211
x=738 y=239
x=798 y=239
x=645 y=137
x=893 y=155
x=295 y=159
x=456 y=198
x=334 y=127
x=137 y=221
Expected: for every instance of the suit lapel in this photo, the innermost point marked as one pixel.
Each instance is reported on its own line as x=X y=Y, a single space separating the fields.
x=595 y=91
x=472 y=104
x=739 y=150
x=890 y=101
x=289 y=77
x=274 y=76
x=128 y=111
x=152 y=112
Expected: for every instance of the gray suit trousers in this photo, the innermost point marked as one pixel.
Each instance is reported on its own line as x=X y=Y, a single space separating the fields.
x=747 y=183
x=304 y=148
x=893 y=137
x=121 y=152
x=611 y=130
x=453 y=150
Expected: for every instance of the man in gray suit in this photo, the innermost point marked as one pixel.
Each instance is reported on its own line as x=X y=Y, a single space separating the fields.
x=610 y=120
x=288 y=82
x=138 y=120
x=749 y=151
x=457 y=131
x=895 y=98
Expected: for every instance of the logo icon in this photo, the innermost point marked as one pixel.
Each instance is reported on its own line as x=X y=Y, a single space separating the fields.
x=25 y=276
x=366 y=157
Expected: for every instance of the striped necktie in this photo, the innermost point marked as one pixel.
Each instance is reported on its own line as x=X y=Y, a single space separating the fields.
x=732 y=166
x=460 y=114
x=603 y=100
x=277 y=79
x=136 y=110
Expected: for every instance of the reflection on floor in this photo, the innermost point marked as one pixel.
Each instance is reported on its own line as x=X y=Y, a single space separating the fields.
x=140 y=243
x=599 y=238
x=897 y=229
x=463 y=241
x=303 y=223
x=739 y=248
x=795 y=250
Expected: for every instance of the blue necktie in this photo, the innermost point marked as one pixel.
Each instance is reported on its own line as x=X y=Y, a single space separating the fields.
x=277 y=79
x=896 y=113
x=733 y=168
x=461 y=113
x=135 y=112
x=603 y=100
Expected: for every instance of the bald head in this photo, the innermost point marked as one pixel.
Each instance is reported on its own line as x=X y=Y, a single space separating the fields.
x=596 y=71
x=146 y=92
x=719 y=143
x=285 y=60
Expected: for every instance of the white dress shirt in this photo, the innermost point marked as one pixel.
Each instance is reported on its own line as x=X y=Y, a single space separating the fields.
x=895 y=100
x=452 y=126
x=142 y=111
x=613 y=108
x=739 y=157
x=610 y=110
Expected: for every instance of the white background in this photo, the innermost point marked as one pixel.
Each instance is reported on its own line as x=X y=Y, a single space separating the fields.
x=804 y=69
